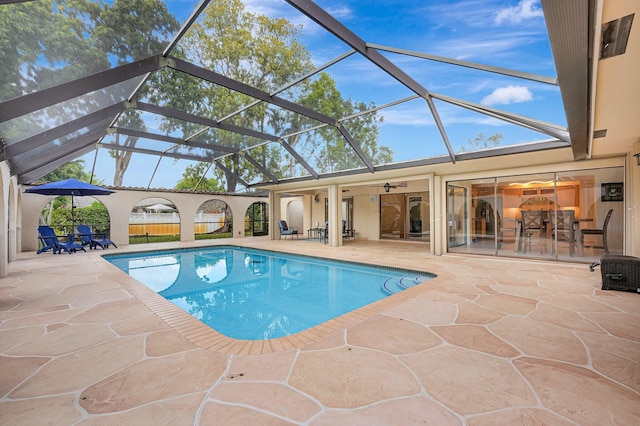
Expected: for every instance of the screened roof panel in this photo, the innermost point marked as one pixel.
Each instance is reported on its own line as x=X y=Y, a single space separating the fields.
x=326 y=150
x=64 y=112
x=177 y=168
x=279 y=162
x=421 y=138
x=43 y=149
x=245 y=46
x=111 y=140
x=82 y=38
x=231 y=140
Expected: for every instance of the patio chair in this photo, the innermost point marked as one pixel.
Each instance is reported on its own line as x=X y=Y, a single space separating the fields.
x=50 y=241
x=87 y=238
x=562 y=229
x=532 y=227
x=602 y=232
x=347 y=233
x=285 y=230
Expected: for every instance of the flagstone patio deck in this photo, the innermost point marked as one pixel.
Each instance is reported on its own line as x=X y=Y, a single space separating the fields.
x=488 y=342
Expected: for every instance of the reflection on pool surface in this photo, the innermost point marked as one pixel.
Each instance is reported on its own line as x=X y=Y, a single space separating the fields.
x=253 y=294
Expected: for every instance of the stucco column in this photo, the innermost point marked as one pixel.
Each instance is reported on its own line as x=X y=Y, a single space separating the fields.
x=439 y=226
x=632 y=242
x=335 y=215
x=4 y=219
x=275 y=215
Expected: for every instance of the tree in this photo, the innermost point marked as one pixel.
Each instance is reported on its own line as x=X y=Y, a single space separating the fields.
x=47 y=42
x=193 y=178
x=71 y=170
x=130 y=30
x=479 y=142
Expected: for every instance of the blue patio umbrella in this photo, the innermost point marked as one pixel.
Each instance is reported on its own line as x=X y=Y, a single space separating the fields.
x=70 y=187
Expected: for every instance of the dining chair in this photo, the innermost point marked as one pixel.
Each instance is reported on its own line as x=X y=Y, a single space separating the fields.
x=532 y=227
x=562 y=229
x=598 y=231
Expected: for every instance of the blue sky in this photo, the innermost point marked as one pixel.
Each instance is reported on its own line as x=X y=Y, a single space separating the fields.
x=508 y=34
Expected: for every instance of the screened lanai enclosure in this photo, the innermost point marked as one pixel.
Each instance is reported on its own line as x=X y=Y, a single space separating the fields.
x=230 y=96
x=414 y=121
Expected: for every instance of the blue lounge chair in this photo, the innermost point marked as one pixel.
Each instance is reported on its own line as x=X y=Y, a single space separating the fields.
x=285 y=230
x=50 y=241
x=87 y=237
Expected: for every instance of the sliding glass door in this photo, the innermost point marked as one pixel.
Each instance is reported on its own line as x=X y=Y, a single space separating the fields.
x=539 y=216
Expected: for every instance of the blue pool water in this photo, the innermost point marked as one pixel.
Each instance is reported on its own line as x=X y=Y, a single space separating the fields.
x=254 y=294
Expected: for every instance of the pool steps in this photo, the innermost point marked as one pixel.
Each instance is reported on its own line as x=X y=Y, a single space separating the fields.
x=393 y=285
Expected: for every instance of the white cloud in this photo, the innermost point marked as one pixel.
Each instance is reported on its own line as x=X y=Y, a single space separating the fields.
x=524 y=10
x=508 y=95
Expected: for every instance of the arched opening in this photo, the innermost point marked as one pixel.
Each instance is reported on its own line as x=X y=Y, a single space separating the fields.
x=154 y=220
x=256 y=219
x=65 y=213
x=214 y=219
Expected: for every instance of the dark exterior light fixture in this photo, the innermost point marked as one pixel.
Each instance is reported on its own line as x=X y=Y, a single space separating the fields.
x=637 y=158
x=387 y=187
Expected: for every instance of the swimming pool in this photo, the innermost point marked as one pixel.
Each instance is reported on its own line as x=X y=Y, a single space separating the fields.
x=255 y=294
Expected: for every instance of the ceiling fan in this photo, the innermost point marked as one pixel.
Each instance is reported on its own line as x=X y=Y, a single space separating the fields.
x=387 y=186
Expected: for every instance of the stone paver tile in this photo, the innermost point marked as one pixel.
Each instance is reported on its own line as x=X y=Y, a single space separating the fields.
x=112 y=312
x=576 y=288
x=220 y=414
x=528 y=417
x=44 y=301
x=334 y=340
x=271 y=367
x=565 y=318
x=623 y=301
x=55 y=410
x=437 y=296
x=470 y=313
x=523 y=291
x=580 y=394
x=142 y=324
x=507 y=303
x=101 y=297
x=96 y=363
x=18 y=336
x=461 y=289
x=166 y=342
x=540 y=339
x=477 y=338
x=172 y=376
x=15 y=370
x=618 y=324
x=578 y=303
x=100 y=285
x=351 y=377
x=64 y=340
x=392 y=335
x=425 y=312
x=38 y=318
x=413 y=411
x=616 y=358
x=174 y=412
x=17 y=314
x=271 y=397
x=470 y=382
